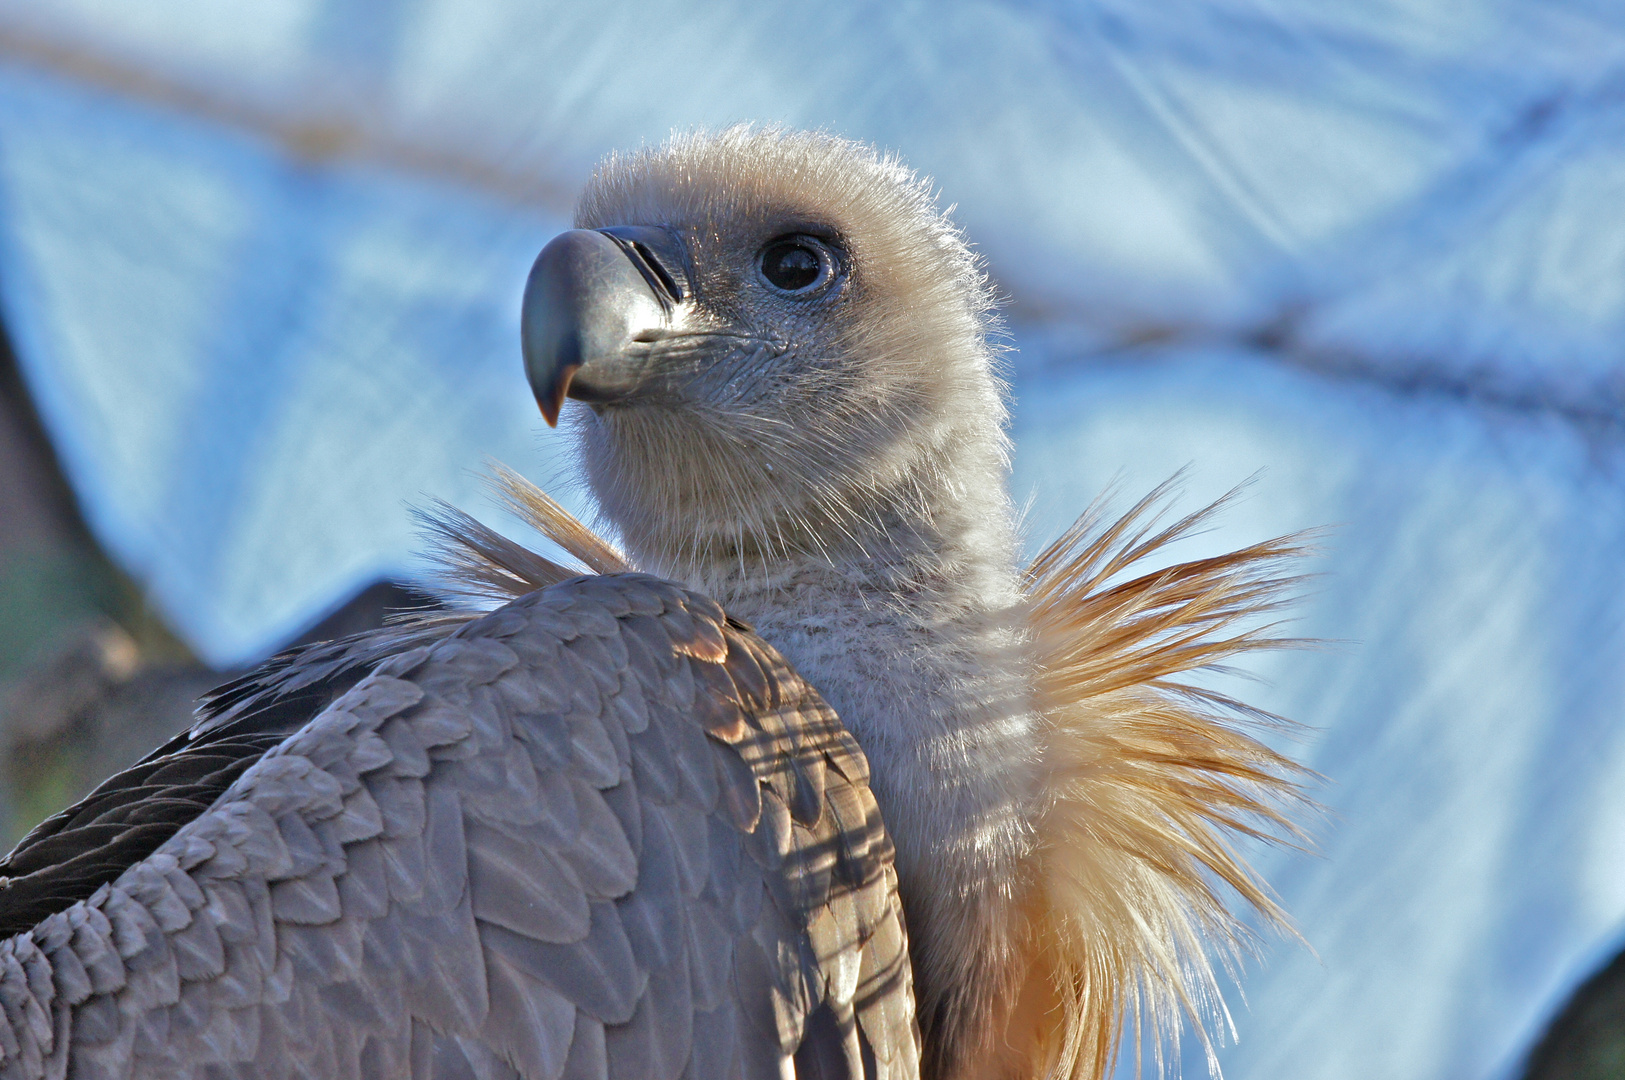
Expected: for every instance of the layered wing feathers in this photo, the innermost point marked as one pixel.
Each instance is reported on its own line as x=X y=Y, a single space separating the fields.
x=598 y=832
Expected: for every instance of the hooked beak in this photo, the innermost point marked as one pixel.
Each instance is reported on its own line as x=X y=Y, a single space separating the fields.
x=591 y=295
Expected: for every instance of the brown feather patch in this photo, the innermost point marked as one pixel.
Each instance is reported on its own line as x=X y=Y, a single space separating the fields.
x=1147 y=781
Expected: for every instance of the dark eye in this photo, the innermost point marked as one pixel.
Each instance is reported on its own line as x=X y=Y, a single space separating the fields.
x=796 y=264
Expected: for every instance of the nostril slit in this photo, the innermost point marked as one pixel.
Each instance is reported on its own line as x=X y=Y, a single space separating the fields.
x=665 y=282
x=668 y=284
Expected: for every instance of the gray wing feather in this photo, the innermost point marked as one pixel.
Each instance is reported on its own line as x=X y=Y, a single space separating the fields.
x=599 y=832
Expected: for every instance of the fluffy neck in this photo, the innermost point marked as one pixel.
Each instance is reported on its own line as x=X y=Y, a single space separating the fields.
x=916 y=631
x=918 y=634
x=912 y=628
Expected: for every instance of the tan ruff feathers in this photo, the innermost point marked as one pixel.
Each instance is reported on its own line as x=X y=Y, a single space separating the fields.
x=478 y=563
x=537 y=509
x=1144 y=774
x=1144 y=777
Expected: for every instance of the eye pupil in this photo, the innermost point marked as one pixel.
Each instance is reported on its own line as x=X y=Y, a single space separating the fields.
x=791 y=265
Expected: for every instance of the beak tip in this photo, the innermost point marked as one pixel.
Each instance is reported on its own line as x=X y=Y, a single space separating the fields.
x=589 y=295
x=552 y=401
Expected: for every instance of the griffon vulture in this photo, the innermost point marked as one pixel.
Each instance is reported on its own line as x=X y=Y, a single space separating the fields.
x=641 y=823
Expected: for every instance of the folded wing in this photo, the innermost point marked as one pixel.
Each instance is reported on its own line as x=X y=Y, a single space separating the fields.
x=599 y=832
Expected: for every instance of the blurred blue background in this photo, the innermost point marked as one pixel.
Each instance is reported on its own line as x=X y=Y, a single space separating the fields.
x=260 y=262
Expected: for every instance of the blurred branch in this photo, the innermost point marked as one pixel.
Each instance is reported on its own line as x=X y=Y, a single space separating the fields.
x=323 y=134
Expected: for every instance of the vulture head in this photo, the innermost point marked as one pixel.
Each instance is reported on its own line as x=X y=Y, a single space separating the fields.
x=781 y=342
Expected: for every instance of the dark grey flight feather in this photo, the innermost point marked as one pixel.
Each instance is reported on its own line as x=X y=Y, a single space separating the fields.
x=599 y=832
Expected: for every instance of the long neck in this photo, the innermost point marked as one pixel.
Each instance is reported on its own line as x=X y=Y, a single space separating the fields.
x=913 y=630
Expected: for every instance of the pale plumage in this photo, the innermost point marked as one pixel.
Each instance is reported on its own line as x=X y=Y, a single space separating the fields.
x=795 y=410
